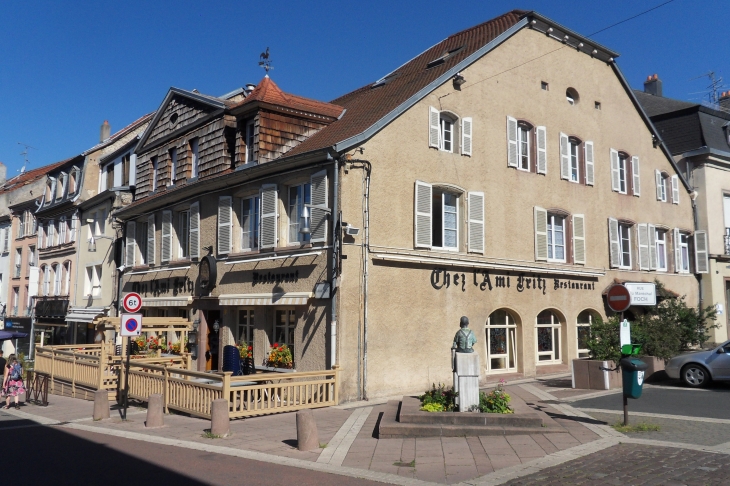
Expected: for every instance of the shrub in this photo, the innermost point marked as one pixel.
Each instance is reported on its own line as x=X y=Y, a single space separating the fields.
x=439 y=396
x=496 y=401
x=432 y=407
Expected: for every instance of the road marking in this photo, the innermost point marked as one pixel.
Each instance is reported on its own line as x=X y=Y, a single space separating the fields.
x=340 y=444
x=587 y=396
x=657 y=415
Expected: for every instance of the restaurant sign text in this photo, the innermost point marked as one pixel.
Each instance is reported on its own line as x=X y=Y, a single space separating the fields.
x=521 y=282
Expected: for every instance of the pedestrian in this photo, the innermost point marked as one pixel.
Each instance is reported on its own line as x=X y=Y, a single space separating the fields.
x=3 y=361
x=13 y=381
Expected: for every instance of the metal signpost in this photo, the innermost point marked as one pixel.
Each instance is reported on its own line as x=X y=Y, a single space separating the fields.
x=131 y=325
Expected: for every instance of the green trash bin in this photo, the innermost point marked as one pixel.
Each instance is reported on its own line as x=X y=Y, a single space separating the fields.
x=632 y=373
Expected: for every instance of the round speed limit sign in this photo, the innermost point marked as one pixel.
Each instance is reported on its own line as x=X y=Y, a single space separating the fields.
x=132 y=302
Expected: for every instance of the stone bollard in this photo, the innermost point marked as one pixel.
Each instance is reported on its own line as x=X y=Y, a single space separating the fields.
x=154 y=412
x=219 y=420
x=101 y=404
x=307 y=436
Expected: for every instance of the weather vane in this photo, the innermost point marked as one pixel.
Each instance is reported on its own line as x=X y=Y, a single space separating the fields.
x=265 y=62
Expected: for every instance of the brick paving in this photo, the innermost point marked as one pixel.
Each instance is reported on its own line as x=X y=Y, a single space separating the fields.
x=633 y=464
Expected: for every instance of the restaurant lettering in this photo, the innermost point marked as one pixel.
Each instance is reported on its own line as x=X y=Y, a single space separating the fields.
x=275 y=277
x=163 y=286
x=520 y=282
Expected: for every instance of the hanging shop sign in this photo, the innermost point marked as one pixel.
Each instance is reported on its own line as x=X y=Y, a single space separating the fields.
x=484 y=280
x=208 y=273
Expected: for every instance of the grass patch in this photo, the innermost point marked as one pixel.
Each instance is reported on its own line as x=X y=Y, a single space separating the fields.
x=322 y=445
x=405 y=464
x=210 y=435
x=640 y=427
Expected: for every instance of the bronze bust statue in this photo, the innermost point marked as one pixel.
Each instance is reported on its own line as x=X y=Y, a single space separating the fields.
x=464 y=339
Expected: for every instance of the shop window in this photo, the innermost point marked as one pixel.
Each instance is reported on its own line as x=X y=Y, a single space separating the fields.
x=583 y=332
x=548 y=334
x=244 y=336
x=284 y=326
x=501 y=342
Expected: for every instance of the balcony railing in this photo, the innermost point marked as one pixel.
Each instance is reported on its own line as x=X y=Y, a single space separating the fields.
x=727 y=241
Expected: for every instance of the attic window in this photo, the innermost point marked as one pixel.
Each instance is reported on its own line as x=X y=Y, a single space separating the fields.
x=390 y=77
x=444 y=57
x=173 y=118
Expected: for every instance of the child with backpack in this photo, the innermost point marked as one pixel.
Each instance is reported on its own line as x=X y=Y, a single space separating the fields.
x=13 y=384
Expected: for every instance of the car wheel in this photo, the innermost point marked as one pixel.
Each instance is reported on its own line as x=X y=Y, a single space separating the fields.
x=695 y=376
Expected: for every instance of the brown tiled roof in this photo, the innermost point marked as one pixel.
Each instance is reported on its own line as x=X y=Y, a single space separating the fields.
x=268 y=92
x=30 y=176
x=367 y=105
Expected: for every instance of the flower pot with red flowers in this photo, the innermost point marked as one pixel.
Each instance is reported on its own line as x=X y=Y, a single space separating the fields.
x=280 y=356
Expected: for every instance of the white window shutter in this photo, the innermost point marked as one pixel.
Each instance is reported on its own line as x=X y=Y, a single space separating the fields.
x=225 y=224
x=702 y=264
x=588 y=153
x=642 y=235
x=466 y=129
x=636 y=173
x=476 y=222
x=658 y=180
x=653 y=257
x=318 y=213
x=269 y=216
x=433 y=127
x=131 y=244
x=614 y=171
x=579 y=239
x=675 y=189
x=166 y=236
x=423 y=219
x=564 y=157
x=6 y=240
x=614 y=244
x=511 y=142
x=677 y=250
x=541 y=236
x=195 y=230
x=541 y=134
x=151 y=239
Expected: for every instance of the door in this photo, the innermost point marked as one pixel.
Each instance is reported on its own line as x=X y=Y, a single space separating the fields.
x=212 y=343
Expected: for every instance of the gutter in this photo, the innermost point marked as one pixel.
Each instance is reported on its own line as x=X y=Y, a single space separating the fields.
x=705 y=150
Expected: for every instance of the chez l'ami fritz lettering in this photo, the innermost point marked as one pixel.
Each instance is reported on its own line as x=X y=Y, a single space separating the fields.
x=482 y=279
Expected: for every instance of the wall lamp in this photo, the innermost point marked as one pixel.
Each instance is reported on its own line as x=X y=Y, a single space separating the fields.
x=458 y=81
x=305 y=216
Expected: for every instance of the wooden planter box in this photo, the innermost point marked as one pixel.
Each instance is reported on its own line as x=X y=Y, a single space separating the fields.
x=588 y=375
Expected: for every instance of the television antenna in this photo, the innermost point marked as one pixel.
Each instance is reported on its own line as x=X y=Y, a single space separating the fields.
x=265 y=62
x=714 y=89
x=24 y=153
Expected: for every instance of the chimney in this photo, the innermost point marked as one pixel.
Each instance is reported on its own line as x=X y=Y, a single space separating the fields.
x=725 y=101
x=106 y=131
x=653 y=85
x=3 y=173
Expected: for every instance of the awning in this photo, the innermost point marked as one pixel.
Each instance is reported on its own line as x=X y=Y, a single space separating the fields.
x=85 y=314
x=166 y=301
x=288 y=298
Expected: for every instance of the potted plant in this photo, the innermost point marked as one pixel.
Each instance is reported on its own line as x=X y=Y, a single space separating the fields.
x=280 y=357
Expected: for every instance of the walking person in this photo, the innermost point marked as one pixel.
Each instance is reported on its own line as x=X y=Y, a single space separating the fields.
x=13 y=384
x=3 y=361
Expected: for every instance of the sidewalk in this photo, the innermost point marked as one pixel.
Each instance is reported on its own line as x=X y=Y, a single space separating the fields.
x=348 y=438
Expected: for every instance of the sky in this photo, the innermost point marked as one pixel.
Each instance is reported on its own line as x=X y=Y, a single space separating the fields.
x=65 y=67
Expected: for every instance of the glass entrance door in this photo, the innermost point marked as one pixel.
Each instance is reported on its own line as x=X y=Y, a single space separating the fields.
x=501 y=342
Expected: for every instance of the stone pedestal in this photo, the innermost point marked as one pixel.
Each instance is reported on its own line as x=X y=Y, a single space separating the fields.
x=307 y=436
x=155 y=412
x=466 y=380
x=101 y=405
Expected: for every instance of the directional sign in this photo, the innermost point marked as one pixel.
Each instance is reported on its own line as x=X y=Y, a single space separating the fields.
x=131 y=324
x=642 y=293
x=132 y=302
x=619 y=298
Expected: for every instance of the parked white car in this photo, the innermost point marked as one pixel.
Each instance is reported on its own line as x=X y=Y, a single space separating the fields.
x=698 y=368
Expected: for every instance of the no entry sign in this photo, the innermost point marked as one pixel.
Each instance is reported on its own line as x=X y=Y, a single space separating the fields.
x=132 y=302
x=131 y=325
x=619 y=298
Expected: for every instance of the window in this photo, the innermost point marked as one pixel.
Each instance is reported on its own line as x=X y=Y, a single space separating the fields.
x=446 y=134
x=143 y=230
x=62 y=181
x=250 y=215
x=57 y=276
x=244 y=336
x=572 y=96
x=6 y=239
x=625 y=173
x=445 y=232
x=67 y=278
x=583 y=330
x=27 y=301
x=173 y=166
x=92 y=282
x=46 y=286
x=194 y=158
x=250 y=138
x=523 y=147
x=501 y=342
x=284 y=326
x=597 y=105
x=625 y=245
x=154 y=173
x=62 y=227
x=299 y=196
x=31 y=256
x=574 y=146
x=73 y=181
x=109 y=175
x=548 y=335
x=544 y=86
x=50 y=189
x=683 y=253
x=661 y=250
x=556 y=238
x=18 y=262
x=183 y=234
x=622 y=173
x=16 y=298
x=661 y=185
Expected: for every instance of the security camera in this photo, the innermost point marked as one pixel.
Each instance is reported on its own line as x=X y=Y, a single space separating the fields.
x=351 y=230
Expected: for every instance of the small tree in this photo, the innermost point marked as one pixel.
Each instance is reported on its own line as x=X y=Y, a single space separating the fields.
x=604 y=342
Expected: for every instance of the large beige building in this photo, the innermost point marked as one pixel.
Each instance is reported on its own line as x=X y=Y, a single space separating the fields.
x=505 y=174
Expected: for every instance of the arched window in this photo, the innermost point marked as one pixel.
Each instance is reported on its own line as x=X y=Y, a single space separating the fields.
x=501 y=342
x=57 y=279
x=46 y=280
x=67 y=277
x=583 y=331
x=548 y=334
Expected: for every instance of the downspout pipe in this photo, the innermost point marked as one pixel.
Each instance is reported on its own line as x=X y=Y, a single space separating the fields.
x=693 y=196
x=334 y=282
